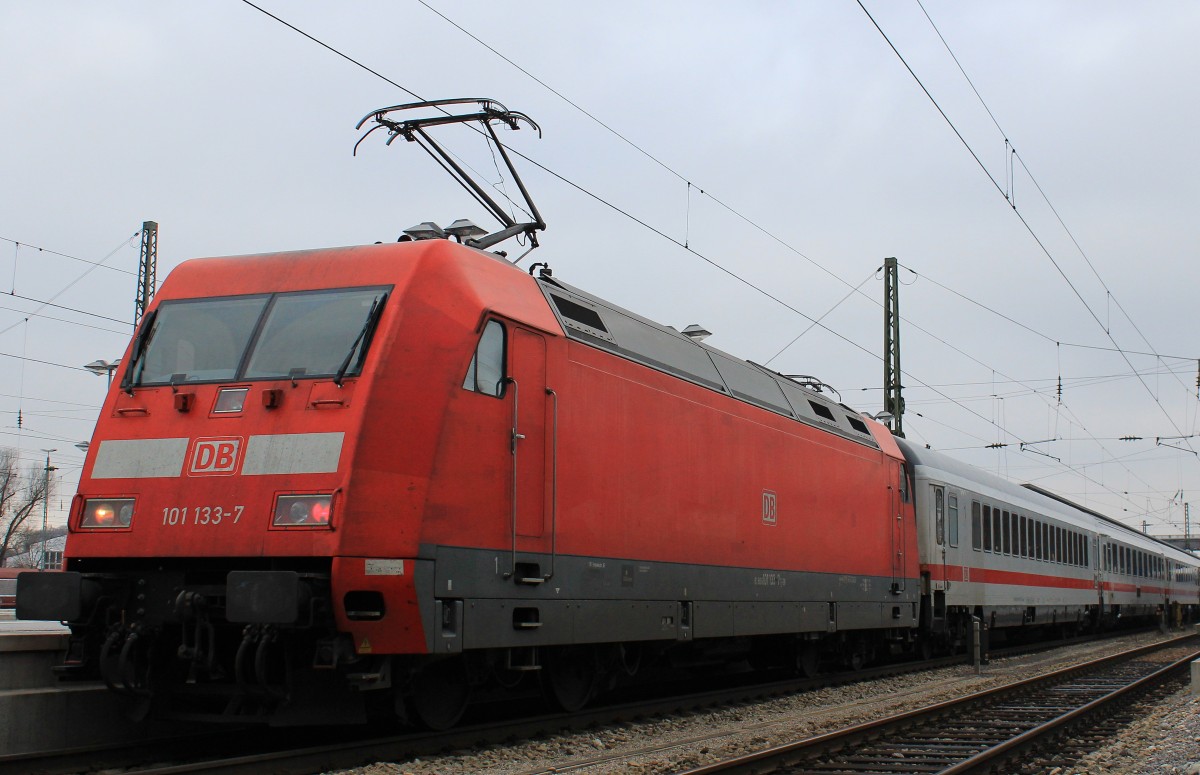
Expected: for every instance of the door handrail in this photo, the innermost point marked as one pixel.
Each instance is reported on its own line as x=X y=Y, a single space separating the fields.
x=553 y=487
x=513 y=439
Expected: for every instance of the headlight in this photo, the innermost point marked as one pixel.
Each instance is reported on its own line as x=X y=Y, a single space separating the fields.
x=107 y=513
x=302 y=511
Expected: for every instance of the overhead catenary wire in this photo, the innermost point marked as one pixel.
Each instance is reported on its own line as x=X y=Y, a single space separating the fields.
x=1010 y=155
x=682 y=177
x=685 y=245
x=97 y=264
x=69 y=285
x=124 y=334
x=1041 y=334
x=1029 y=228
x=26 y=359
x=624 y=212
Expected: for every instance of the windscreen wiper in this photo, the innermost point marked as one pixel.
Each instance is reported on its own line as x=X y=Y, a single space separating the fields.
x=140 y=343
x=364 y=336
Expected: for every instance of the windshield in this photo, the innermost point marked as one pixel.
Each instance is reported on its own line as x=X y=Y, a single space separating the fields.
x=259 y=337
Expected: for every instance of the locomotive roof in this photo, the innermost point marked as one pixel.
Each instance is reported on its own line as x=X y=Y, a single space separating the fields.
x=1051 y=503
x=599 y=323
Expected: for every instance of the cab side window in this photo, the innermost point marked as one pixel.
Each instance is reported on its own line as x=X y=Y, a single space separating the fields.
x=486 y=372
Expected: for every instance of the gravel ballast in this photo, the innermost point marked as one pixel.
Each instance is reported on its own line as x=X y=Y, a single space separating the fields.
x=1166 y=741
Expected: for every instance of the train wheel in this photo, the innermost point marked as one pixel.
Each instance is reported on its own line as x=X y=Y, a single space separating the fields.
x=439 y=694
x=569 y=677
x=808 y=660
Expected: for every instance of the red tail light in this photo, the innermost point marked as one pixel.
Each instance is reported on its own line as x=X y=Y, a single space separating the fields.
x=302 y=511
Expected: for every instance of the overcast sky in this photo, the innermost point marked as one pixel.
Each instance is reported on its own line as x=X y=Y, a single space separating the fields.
x=811 y=151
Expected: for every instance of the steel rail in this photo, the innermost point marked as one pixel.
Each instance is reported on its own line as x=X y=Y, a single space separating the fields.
x=791 y=755
x=985 y=759
x=357 y=746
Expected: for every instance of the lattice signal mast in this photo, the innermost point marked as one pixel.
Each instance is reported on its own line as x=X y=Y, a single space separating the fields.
x=147 y=270
x=893 y=400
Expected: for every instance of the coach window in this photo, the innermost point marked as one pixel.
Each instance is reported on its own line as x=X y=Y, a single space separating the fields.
x=987 y=528
x=1005 y=535
x=997 y=531
x=1024 y=536
x=486 y=372
x=952 y=519
x=976 y=527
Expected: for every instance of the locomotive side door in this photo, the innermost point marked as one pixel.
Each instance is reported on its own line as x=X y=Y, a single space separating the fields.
x=527 y=392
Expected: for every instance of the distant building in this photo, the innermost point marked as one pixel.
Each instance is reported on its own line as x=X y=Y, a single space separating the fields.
x=33 y=558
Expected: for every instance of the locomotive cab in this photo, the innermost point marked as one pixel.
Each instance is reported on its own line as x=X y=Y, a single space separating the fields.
x=222 y=533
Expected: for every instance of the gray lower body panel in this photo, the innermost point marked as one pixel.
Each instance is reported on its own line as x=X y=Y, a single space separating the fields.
x=482 y=600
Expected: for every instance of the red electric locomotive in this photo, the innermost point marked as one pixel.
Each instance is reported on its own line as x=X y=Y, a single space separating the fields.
x=418 y=467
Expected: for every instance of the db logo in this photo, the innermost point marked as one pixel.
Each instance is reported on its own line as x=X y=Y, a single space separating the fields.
x=770 y=504
x=215 y=456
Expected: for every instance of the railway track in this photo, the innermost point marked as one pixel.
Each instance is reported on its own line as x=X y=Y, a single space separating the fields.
x=991 y=731
x=230 y=751
x=253 y=751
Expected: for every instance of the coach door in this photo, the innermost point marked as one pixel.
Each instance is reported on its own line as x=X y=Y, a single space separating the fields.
x=531 y=447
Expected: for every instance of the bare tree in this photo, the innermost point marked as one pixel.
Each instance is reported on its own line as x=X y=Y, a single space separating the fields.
x=21 y=492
